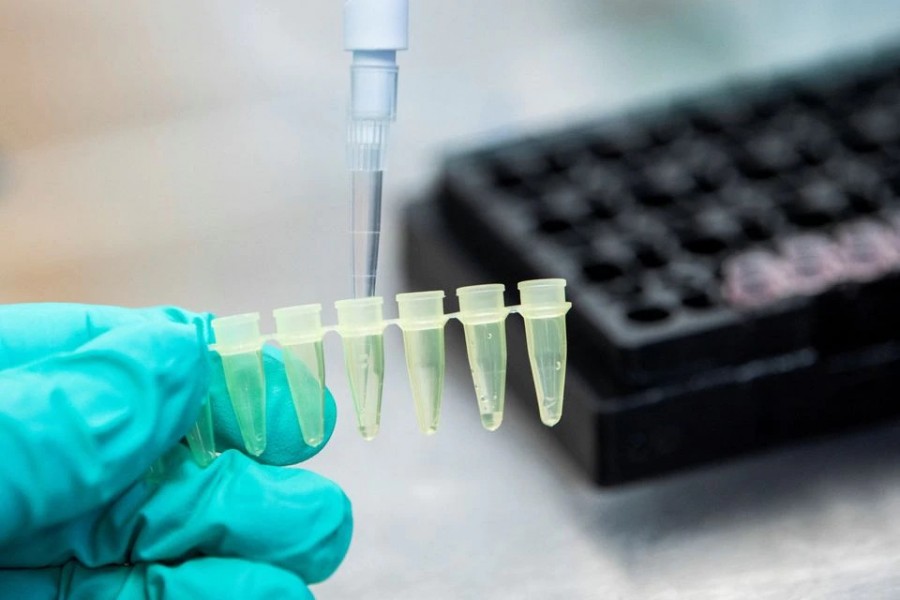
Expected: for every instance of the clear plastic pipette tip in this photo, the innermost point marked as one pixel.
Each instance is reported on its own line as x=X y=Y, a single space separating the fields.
x=365 y=230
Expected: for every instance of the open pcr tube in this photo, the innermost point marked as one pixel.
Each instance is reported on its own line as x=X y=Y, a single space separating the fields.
x=361 y=326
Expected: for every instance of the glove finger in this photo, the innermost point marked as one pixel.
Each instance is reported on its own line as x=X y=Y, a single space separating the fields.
x=30 y=332
x=285 y=445
x=198 y=579
x=235 y=507
x=77 y=428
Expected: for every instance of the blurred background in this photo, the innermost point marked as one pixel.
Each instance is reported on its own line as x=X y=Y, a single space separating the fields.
x=191 y=152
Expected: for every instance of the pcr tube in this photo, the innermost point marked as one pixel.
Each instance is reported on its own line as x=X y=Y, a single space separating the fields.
x=239 y=344
x=361 y=326
x=299 y=332
x=422 y=321
x=483 y=315
x=200 y=438
x=544 y=308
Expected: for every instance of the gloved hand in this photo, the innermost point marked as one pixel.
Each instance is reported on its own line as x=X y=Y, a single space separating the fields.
x=89 y=398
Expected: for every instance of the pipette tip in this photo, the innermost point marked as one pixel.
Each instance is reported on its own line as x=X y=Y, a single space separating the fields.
x=366 y=230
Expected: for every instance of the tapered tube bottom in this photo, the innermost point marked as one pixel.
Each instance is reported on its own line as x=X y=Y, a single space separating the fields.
x=247 y=388
x=364 y=361
x=304 y=364
x=547 y=353
x=156 y=474
x=425 y=362
x=486 y=347
x=200 y=438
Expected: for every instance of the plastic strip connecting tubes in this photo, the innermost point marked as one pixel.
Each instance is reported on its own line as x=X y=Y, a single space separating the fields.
x=361 y=326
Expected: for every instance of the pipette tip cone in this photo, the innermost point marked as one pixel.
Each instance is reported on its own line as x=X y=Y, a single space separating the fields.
x=366 y=230
x=363 y=286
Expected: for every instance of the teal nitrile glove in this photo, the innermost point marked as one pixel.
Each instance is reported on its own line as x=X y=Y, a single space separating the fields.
x=89 y=398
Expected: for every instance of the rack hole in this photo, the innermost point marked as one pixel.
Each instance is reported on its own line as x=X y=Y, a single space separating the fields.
x=651 y=258
x=648 y=314
x=653 y=199
x=505 y=178
x=603 y=272
x=628 y=289
x=756 y=231
x=557 y=164
x=551 y=226
x=863 y=205
x=697 y=301
x=705 y=245
x=809 y=218
x=602 y=211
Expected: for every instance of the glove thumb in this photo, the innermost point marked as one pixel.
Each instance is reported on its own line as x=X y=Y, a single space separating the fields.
x=77 y=428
